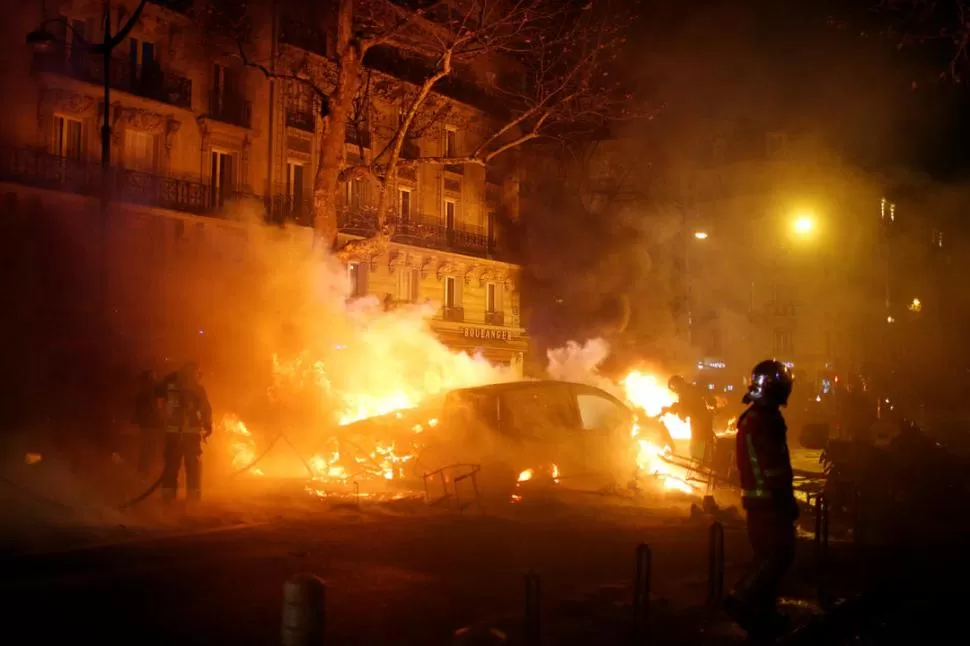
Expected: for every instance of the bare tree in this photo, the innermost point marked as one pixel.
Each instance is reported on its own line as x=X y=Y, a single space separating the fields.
x=561 y=79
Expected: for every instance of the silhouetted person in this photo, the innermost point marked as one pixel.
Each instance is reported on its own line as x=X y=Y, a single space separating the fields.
x=694 y=403
x=148 y=419
x=767 y=494
x=187 y=417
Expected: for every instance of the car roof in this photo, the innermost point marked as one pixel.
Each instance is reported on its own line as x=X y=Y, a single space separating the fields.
x=522 y=385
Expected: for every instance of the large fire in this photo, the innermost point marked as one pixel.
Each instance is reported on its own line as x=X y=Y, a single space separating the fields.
x=337 y=361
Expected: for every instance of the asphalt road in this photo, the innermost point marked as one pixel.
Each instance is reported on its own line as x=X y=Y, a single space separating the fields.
x=392 y=579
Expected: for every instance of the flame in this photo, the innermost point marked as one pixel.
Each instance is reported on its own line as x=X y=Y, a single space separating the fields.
x=242 y=445
x=649 y=394
x=526 y=475
x=555 y=473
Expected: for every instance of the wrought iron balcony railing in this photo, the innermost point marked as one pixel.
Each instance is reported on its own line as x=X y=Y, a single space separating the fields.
x=148 y=81
x=495 y=318
x=43 y=170
x=435 y=234
x=284 y=208
x=301 y=120
x=453 y=314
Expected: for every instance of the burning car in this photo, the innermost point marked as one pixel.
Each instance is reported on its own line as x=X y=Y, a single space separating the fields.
x=541 y=432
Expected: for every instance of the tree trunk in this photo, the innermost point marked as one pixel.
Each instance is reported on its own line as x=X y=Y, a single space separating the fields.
x=333 y=148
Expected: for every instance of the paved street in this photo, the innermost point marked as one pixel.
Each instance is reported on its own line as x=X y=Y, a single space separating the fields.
x=393 y=579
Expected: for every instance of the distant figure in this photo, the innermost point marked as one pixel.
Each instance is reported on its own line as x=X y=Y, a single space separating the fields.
x=693 y=403
x=188 y=422
x=148 y=419
x=767 y=494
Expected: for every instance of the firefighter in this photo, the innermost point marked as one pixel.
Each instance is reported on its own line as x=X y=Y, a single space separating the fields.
x=188 y=423
x=768 y=497
x=148 y=419
x=692 y=402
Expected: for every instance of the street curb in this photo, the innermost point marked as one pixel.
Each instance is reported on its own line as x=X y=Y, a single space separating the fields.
x=135 y=540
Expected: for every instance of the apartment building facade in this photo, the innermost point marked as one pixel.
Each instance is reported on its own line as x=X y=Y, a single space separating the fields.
x=199 y=144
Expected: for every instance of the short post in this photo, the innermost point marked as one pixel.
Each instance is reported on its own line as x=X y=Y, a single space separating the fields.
x=821 y=548
x=715 y=564
x=304 y=611
x=532 y=624
x=641 y=595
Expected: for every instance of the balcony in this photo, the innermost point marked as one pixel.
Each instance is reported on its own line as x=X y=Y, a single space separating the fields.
x=281 y=209
x=453 y=314
x=432 y=233
x=357 y=137
x=147 y=81
x=231 y=109
x=301 y=120
x=495 y=318
x=455 y=169
x=43 y=170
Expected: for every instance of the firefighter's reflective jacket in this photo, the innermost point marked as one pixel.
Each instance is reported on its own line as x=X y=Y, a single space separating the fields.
x=186 y=406
x=763 y=461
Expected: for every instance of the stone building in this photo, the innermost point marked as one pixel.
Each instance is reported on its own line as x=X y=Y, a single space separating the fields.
x=199 y=143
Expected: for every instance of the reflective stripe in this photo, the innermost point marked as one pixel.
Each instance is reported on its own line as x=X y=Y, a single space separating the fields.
x=755 y=467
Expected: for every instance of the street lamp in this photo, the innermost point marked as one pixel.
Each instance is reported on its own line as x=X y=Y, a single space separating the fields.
x=804 y=224
x=42 y=40
x=700 y=235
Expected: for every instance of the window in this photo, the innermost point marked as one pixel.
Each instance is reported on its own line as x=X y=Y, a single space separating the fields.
x=353 y=193
x=451 y=209
x=541 y=412
x=67 y=137
x=784 y=342
x=490 y=298
x=490 y=223
x=140 y=151
x=294 y=180
x=141 y=55
x=451 y=292
x=221 y=179
x=221 y=89
x=405 y=205
x=409 y=280
x=599 y=413
x=451 y=142
x=357 y=279
x=295 y=189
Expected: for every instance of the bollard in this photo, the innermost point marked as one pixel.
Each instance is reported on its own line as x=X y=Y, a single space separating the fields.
x=304 y=611
x=641 y=595
x=821 y=548
x=532 y=625
x=715 y=564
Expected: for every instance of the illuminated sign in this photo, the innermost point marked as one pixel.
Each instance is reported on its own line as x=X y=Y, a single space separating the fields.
x=487 y=334
x=712 y=365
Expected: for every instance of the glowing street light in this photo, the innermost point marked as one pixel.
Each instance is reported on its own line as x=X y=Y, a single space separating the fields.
x=804 y=224
x=916 y=305
x=700 y=235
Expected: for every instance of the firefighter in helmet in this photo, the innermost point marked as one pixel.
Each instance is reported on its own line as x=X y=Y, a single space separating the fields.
x=188 y=423
x=768 y=498
x=693 y=403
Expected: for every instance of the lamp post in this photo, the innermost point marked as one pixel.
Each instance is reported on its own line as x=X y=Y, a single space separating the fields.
x=42 y=40
x=699 y=235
